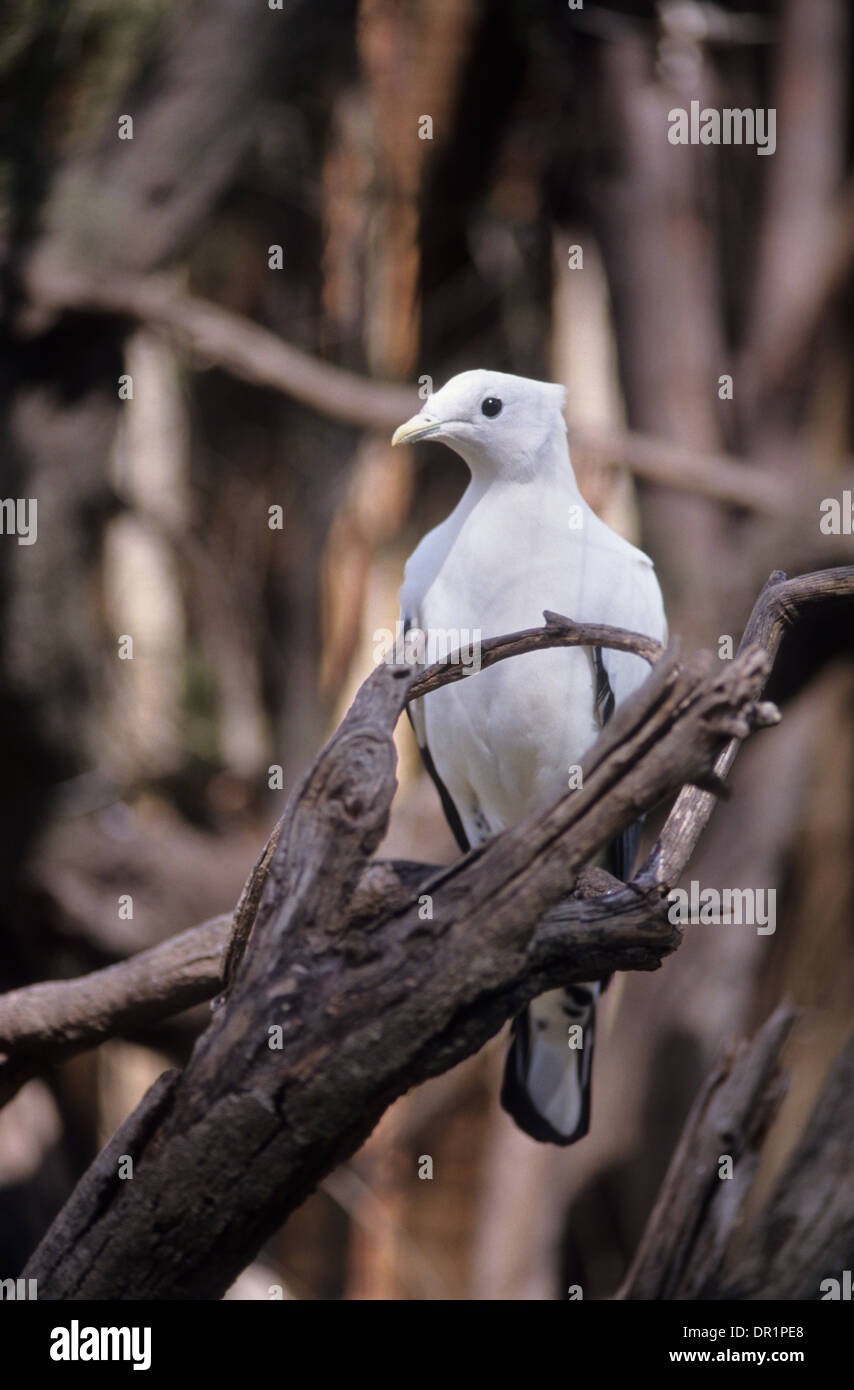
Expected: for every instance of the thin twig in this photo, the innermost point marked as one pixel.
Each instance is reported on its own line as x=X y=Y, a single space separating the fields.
x=556 y=632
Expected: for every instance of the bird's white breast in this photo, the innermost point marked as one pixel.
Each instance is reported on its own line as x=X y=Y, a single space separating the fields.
x=503 y=740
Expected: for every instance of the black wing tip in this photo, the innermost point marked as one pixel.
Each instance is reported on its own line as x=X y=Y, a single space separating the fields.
x=452 y=815
x=623 y=851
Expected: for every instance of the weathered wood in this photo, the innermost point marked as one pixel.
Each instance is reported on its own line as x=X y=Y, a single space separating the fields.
x=366 y=1014
x=805 y=1232
x=694 y=1246
x=46 y=1022
x=685 y=1239
x=366 y=1004
x=100 y=1180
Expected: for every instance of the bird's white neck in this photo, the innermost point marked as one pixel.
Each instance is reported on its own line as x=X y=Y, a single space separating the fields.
x=548 y=465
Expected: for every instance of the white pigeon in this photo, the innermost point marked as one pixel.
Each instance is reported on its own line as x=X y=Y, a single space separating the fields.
x=500 y=744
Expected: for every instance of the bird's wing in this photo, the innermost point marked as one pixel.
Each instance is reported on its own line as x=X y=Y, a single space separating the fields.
x=632 y=600
x=415 y=711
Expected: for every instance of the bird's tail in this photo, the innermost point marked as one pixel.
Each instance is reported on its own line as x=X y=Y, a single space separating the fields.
x=546 y=1084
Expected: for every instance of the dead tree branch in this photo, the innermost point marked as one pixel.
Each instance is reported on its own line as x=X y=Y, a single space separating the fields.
x=798 y=1241
x=362 y=1016
x=696 y=1245
x=685 y=1239
x=46 y=1022
x=332 y=1015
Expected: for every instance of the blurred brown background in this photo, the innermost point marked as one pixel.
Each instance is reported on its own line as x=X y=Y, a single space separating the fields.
x=301 y=127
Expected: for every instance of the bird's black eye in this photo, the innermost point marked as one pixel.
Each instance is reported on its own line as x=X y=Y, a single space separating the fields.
x=491 y=406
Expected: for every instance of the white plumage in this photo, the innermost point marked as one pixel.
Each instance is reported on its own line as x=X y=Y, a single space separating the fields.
x=522 y=539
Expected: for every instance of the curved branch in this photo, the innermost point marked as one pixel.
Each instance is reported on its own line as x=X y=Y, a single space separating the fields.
x=557 y=631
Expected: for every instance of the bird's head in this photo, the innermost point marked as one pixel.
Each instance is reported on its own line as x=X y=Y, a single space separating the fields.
x=503 y=426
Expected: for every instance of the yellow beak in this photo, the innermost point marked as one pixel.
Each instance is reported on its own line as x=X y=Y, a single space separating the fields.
x=416 y=428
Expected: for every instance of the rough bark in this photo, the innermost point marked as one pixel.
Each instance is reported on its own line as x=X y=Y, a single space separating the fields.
x=364 y=1015
x=358 y=1015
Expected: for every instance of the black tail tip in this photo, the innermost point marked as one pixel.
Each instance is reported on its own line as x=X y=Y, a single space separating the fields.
x=517 y=1102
